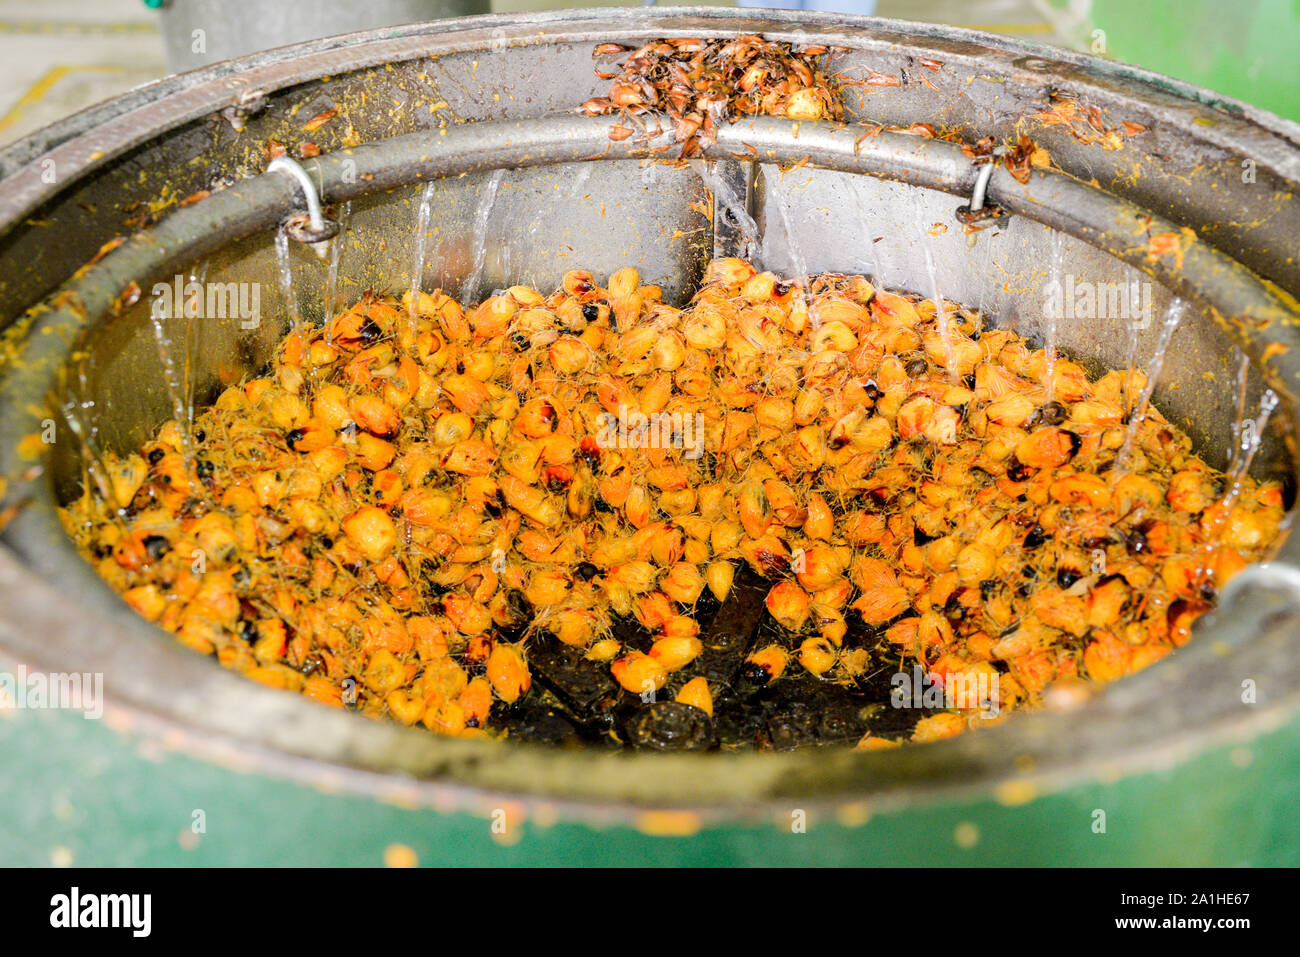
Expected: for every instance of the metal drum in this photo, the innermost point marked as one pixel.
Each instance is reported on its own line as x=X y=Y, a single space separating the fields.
x=468 y=108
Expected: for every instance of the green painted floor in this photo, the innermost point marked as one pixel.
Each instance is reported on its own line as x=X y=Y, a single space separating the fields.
x=75 y=792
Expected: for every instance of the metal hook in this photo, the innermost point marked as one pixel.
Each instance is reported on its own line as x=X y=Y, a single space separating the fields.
x=981 y=186
x=314 y=228
x=976 y=213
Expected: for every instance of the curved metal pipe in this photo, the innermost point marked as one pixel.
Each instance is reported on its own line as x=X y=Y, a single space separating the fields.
x=318 y=230
x=981 y=187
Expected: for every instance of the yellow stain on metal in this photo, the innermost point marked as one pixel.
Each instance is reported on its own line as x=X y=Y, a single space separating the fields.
x=668 y=823
x=855 y=814
x=42 y=87
x=400 y=855
x=1015 y=793
x=966 y=834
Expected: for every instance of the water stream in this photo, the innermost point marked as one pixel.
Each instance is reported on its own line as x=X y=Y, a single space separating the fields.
x=171 y=378
x=469 y=290
x=417 y=263
x=1051 y=316
x=1169 y=322
x=330 y=306
x=1250 y=436
x=941 y=320
x=287 y=292
x=770 y=250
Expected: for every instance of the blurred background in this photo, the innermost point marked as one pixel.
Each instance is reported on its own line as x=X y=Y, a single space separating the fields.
x=57 y=56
